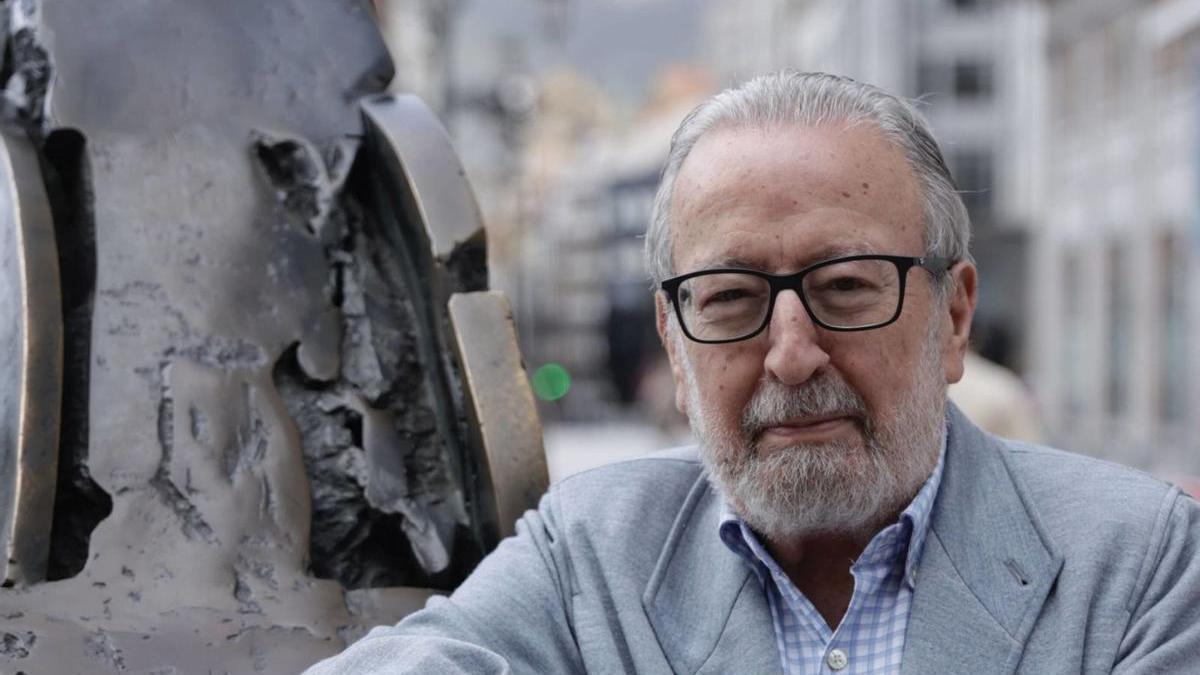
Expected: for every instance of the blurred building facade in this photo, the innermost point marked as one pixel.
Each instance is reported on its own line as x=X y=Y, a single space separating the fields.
x=975 y=69
x=593 y=310
x=566 y=170
x=1117 y=310
x=417 y=34
x=1070 y=125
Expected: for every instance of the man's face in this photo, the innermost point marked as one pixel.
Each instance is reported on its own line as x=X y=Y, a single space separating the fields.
x=806 y=429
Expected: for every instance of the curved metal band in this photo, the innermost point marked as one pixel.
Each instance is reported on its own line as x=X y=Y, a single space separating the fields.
x=30 y=364
x=502 y=409
x=444 y=235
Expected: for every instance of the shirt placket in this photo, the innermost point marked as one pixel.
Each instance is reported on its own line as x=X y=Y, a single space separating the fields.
x=815 y=634
x=834 y=650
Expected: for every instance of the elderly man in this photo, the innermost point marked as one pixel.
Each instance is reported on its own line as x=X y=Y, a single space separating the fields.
x=815 y=297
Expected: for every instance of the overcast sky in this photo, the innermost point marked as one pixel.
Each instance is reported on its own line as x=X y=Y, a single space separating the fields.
x=620 y=44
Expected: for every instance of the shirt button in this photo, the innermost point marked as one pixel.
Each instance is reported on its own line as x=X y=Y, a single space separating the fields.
x=836 y=659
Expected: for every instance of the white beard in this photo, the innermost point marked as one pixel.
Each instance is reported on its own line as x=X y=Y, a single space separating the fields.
x=848 y=488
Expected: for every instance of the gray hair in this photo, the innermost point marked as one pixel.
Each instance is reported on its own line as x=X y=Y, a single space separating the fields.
x=811 y=99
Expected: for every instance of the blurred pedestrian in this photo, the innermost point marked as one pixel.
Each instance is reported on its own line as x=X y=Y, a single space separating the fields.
x=995 y=399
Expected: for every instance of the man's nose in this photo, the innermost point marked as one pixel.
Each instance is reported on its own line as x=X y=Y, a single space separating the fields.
x=794 y=354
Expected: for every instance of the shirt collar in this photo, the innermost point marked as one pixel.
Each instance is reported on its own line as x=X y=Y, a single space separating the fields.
x=913 y=523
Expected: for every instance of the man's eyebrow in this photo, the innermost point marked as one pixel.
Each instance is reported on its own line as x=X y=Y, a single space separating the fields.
x=812 y=257
x=732 y=261
x=837 y=251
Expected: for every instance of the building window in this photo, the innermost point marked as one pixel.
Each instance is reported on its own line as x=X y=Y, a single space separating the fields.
x=972 y=170
x=925 y=78
x=1072 y=340
x=972 y=80
x=632 y=201
x=966 y=80
x=1172 y=353
x=1063 y=82
x=931 y=77
x=1118 y=292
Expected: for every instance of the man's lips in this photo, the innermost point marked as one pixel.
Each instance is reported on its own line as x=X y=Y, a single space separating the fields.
x=811 y=427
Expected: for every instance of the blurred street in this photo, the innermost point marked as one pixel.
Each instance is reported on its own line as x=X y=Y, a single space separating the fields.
x=572 y=448
x=1072 y=129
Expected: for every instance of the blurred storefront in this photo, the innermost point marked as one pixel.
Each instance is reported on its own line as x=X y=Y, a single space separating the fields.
x=1071 y=127
x=975 y=70
x=1117 y=308
x=594 y=308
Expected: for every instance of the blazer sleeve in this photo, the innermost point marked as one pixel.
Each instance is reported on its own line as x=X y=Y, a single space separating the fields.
x=512 y=615
x=1163 y=634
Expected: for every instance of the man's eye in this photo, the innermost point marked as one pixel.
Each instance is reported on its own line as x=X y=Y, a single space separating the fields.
x=846 y=284
x=728 y=295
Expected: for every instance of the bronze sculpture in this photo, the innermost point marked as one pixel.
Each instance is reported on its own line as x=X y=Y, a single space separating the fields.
x=256 y=396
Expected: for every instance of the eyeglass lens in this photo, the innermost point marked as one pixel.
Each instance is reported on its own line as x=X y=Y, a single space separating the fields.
x=731 y=305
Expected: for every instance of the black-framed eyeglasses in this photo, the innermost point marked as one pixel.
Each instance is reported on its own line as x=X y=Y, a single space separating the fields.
x=857 y=292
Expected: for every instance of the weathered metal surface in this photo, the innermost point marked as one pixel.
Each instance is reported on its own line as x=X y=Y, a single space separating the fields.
x=503 y=412
x=445 y=253
x=30 y=365
x=416 y=151
x=264 y=399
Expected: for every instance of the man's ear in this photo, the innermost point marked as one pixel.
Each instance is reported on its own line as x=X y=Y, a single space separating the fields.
x=958 y=311
x=661 y=307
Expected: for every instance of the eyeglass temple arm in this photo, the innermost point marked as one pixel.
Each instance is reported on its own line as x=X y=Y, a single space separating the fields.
x=935 y=264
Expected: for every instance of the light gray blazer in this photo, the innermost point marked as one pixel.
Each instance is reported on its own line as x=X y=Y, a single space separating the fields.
x=1037 y=561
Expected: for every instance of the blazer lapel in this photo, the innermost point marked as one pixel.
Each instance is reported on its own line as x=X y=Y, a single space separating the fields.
x=706 y=607
x=987 y=566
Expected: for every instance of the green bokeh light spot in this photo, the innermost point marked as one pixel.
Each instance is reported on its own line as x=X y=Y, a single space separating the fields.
x=551 y=382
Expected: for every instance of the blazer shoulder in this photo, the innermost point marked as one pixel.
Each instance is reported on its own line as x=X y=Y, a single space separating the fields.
x=657 y=476
x=628 y=499
x=1097 y=479
x=1089 y=503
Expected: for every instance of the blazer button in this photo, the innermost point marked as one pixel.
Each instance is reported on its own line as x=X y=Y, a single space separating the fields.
x=836 y=659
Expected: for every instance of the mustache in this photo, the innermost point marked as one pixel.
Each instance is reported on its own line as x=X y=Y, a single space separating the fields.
x=774 y=403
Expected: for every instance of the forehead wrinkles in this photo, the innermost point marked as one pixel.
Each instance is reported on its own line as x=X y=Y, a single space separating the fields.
x=746 y=175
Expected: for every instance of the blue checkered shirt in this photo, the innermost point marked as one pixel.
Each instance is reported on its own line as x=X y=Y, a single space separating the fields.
x=870 y=638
